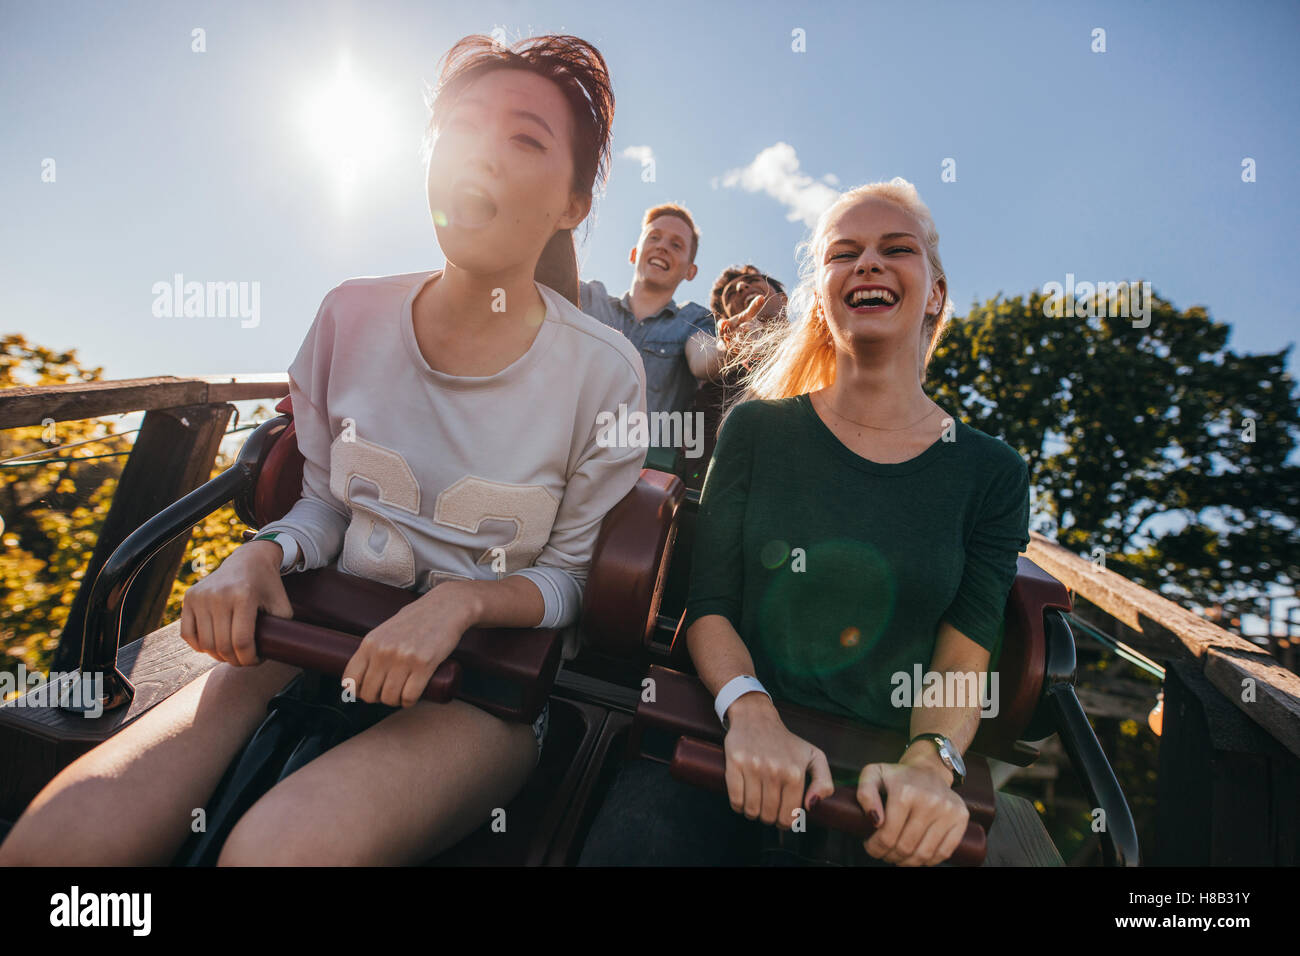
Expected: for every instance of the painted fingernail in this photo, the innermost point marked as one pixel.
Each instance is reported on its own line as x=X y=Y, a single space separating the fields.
x=813 y=801
x=875 y=818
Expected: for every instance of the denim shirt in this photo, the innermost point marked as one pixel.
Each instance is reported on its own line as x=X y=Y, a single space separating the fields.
x=661 y=339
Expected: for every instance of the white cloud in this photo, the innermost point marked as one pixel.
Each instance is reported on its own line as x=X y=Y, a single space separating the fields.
x=642 y=154
x=775 y=171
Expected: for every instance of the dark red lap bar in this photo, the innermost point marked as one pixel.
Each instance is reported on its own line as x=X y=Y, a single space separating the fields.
x=704 y=765
x=682 y=708
x=508 y=672
x=328 y=651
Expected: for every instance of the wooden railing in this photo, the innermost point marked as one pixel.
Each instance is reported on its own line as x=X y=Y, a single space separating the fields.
x=34 y=404
x=1244 y=673
x=1228 y=783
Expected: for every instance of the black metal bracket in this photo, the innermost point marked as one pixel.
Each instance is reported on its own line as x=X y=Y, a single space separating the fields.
x=101 y=638
x=1119 y=840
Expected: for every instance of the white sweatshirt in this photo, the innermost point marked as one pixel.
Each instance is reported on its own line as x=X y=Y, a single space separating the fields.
x=414 y=476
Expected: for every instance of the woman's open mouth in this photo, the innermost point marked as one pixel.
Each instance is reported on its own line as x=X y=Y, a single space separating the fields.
x=471 y=207
x=870 y=299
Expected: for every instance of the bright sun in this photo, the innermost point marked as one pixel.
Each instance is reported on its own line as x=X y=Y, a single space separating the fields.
x=349 y=128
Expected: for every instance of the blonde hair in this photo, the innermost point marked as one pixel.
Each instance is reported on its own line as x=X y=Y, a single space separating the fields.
x=798 y=356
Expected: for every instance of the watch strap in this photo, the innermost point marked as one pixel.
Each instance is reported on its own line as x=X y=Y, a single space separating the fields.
x=290 y=551
x=946 y=750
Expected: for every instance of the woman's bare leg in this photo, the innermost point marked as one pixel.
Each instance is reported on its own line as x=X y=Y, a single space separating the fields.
x=399 y=792
x=130 y=800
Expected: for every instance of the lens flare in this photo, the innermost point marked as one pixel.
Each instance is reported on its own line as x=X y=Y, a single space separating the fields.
x=773 y=554
x=813 y=625
x=350 y=128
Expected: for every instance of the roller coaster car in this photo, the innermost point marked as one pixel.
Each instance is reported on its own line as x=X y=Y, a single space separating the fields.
x=630 y=694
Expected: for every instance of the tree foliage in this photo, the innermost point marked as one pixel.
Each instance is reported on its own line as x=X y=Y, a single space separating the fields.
x=1160 y=445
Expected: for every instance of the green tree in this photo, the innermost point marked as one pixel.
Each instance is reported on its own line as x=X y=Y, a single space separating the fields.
x=1122 y=424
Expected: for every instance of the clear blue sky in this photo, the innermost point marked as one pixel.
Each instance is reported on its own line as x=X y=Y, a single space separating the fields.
x=1108 y=165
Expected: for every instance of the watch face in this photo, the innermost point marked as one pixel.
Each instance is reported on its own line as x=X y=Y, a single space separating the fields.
x=955 y=757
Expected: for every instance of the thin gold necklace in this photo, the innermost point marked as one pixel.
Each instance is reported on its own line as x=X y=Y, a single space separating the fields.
x=904 y=428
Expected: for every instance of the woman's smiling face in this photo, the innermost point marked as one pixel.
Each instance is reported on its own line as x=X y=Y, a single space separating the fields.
x=874 y=280
x=501 y=172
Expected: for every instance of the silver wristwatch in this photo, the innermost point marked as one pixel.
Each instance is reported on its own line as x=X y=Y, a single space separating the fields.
x=947 y=753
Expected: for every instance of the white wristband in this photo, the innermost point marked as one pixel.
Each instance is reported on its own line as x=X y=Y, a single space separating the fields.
x=731 y=690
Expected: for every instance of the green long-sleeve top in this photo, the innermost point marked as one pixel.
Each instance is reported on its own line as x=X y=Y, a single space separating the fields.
x=836 y=571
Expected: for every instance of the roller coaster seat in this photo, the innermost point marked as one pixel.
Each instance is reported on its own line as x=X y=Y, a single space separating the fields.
x=624 y=583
